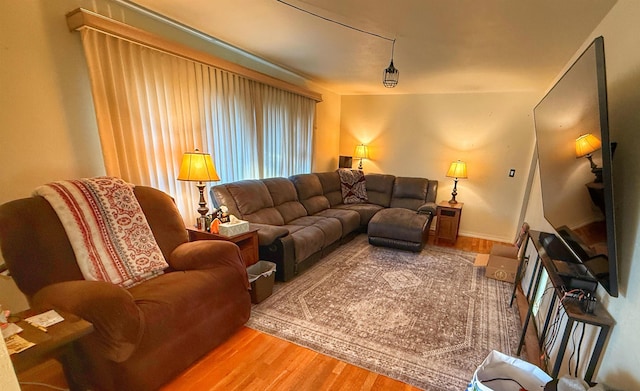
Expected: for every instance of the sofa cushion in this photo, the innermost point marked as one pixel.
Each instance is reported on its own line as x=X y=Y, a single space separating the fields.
x=254 y=202
x=307 y=240
x=330 y=182
x=353 y=186
x=310 y=193
x=409 y=193
x=163 y=217
x=366 y=211
x=285 y=198
x=350 y=219
x=379 y=189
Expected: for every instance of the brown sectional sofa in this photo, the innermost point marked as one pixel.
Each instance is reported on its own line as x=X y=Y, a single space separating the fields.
x=302 y=218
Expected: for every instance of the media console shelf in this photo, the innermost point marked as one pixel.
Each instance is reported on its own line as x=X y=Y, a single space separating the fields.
x=599 y=318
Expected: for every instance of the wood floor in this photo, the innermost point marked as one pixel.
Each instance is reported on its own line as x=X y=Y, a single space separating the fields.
x=251 y=360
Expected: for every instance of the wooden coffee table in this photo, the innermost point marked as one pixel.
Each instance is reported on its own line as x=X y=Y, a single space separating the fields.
x=54 y=343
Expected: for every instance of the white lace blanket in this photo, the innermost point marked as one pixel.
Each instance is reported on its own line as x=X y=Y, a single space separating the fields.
x=107 y=229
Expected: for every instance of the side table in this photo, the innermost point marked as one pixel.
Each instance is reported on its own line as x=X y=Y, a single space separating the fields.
x=56 y=342
x=247 y=241
x=448 y=220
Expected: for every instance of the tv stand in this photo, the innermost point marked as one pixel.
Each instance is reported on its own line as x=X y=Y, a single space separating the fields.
x=599 y=316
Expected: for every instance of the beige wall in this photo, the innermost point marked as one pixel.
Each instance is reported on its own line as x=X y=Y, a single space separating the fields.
x=420 y=135
x=621 y=362
x=326 y=139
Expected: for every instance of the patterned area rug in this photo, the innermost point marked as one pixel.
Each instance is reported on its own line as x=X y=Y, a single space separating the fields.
x=427 y=319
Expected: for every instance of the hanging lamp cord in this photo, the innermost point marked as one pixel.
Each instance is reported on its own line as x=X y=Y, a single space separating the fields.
x=339 y=23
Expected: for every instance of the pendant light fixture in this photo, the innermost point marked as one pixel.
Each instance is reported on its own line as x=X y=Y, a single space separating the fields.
x=391 y=74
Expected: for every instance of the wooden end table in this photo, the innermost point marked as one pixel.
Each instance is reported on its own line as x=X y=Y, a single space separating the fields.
x=247 y=241
x=55 y=343
x=448 y=220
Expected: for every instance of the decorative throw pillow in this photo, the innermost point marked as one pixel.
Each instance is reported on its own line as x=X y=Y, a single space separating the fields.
x=353 y=186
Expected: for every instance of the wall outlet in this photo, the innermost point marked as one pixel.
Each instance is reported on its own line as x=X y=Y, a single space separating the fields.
x=512 y=173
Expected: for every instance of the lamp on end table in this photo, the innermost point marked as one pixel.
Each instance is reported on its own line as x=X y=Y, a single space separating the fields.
x=457 y=170
x=361 y=152
x=198 y=167
x=586 y=145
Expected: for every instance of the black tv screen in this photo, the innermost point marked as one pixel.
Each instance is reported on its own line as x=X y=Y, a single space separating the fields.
x=575 y=156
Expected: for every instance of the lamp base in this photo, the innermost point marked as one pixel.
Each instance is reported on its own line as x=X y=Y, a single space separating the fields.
x=454 y=193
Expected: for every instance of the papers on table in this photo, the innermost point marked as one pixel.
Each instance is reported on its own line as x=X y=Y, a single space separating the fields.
x=16 y=344
x=45 y=319
x=10 y=330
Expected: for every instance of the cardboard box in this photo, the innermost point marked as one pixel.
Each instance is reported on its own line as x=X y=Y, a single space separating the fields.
x=502 y=268
x=233 y=229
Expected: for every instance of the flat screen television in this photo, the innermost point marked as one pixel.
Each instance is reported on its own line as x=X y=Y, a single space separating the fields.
x=575 y=155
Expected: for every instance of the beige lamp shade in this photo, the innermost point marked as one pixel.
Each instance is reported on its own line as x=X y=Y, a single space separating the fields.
x=197 y=166
x=587 y=144
x=361 y=152
x=458 y=170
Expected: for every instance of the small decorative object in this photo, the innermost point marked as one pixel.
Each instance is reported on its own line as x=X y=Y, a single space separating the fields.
x=198 y=167
x=361 y=152
x=223 y=214
x=345 y=162
x=457 y=170
x=586 y=145
x=214 y=228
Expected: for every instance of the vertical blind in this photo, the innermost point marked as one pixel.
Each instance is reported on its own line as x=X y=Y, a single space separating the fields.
x=153 y=106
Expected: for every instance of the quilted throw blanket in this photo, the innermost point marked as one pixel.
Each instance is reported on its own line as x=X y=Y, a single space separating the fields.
x=353 y=186
x=108 y=231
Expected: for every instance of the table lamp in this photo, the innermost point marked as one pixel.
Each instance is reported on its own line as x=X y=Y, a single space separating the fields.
x=585 y=146
x=198 y=167
x=457 y=170
x=361 y=152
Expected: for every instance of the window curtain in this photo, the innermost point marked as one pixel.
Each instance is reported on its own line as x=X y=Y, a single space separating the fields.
x=152 y=106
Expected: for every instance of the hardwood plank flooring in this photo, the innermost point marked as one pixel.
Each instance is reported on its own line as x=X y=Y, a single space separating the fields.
x=251 y=360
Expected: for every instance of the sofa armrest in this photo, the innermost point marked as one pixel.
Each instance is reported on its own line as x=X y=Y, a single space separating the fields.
x=206 y=254
x=118 y=323
x=268 y=234
x=428 y=208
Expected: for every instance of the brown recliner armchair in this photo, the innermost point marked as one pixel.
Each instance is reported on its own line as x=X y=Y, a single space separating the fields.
x=145 y=335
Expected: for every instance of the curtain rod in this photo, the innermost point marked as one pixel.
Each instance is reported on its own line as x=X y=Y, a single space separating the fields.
x=197 y=33
x=82 y=18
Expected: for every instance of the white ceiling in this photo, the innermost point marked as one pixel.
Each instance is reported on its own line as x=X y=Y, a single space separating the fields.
x=443 y=46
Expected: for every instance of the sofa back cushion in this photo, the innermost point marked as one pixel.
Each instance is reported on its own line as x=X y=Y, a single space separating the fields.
x=35 y=245
x=409 y=193
x=330 y=182
x=310 y=193
x=379 y=188
x=163 y=217
x=432 y=190
x=248 y=200
x=285 y=198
